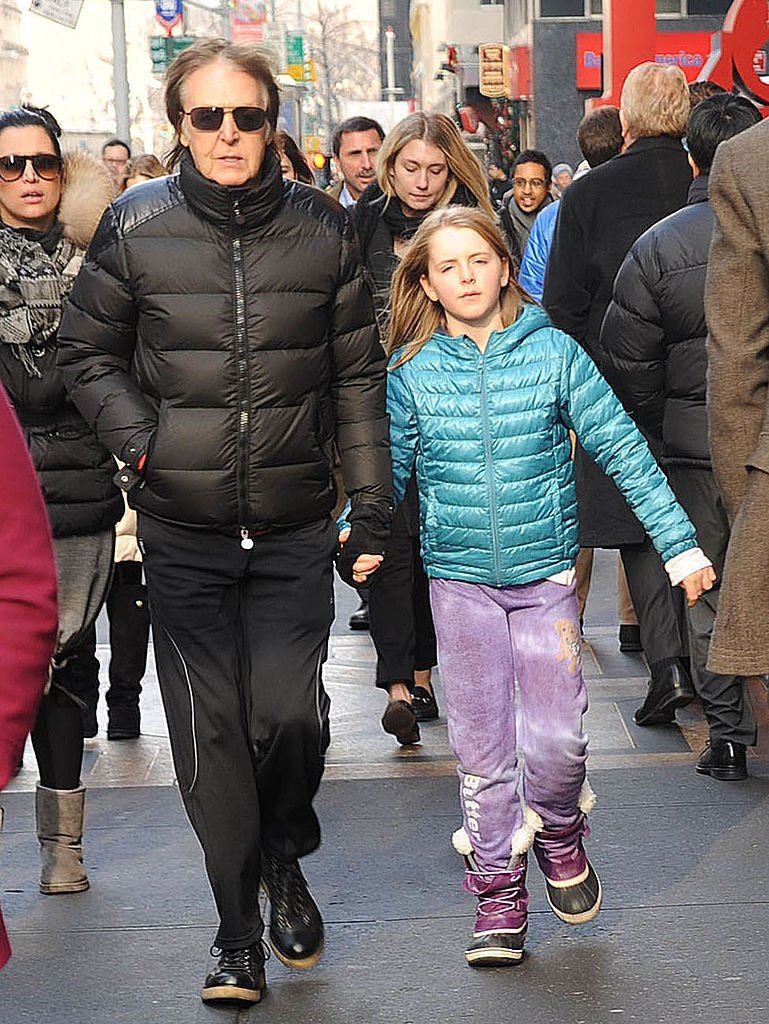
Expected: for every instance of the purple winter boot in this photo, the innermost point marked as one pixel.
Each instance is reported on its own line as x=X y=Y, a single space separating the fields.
x=573 y=887
x=500 y=923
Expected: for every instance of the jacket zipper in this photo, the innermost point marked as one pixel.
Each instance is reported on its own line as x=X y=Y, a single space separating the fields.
x=490 y=471
x=243 y=396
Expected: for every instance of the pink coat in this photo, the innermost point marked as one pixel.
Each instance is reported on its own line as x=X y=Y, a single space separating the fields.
x=28 y=616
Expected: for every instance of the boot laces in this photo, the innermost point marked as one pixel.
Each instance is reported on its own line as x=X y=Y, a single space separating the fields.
x=246 y=959
x=503 y=902
x=289 y=896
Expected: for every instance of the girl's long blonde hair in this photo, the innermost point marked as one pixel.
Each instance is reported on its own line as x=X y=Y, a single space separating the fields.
x=415 y=317
x=439 y=130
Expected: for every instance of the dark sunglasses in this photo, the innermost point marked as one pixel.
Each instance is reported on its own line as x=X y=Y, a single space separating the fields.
x=209 y=119
x=45 y=165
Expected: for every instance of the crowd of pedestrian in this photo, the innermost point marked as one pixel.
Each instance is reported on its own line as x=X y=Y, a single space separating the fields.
x=196 y=353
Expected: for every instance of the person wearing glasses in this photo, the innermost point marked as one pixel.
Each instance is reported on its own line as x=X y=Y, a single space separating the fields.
x=48 y=212
x=222 y=341
x=530 y=194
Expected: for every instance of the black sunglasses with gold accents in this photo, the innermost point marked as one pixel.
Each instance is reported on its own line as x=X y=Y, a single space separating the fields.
x=209 y=119
x=45 y=165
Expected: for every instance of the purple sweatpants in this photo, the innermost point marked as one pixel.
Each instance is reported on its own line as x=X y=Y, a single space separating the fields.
x=489 y=640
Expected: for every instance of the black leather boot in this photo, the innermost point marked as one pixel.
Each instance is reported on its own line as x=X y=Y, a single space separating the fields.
x=670 y=687
x=238 y=977
x=724 y=760
x=359 y=619
x=296 y=927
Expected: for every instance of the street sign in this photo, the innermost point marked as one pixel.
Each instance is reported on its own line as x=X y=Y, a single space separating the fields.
x=163 y=50
x=65 y=12
x=169 y=13
x=491 y=70
x=295 y=55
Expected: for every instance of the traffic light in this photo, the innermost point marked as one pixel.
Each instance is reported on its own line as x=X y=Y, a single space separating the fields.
x=321 y=168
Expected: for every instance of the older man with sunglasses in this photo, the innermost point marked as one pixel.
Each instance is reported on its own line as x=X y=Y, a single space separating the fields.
x=222 y=342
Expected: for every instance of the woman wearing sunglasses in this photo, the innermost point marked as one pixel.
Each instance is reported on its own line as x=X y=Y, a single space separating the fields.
x=221 y=340
x=49 y=209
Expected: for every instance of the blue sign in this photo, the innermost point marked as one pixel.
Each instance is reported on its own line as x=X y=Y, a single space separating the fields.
x=169 y=13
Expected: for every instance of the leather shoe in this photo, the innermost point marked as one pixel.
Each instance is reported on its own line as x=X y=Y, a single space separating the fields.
x=124 y=722
x=670 y=687
x=400 y=721
x=723 y=760
x=296 y=927
x=238 y=977
x=629 y=639
x=359 y=618
x=424 y=704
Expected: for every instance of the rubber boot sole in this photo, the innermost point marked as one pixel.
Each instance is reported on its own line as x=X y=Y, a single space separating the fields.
x=587 y=915
x=62 y=888
x=230 y=994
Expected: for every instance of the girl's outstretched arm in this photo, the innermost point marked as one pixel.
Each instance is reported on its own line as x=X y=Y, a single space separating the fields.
x=609 y=436
x=404 y=432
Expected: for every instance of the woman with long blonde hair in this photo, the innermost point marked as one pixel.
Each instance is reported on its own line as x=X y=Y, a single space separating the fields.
x=482 y=395
x=423 y=165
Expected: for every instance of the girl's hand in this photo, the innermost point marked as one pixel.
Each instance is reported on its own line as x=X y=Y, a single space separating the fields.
x=697 y=583
x=344 y=535
x=364 y=566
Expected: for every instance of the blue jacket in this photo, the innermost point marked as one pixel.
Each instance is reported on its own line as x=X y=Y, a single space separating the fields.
x=534 y=262
x=490 y=436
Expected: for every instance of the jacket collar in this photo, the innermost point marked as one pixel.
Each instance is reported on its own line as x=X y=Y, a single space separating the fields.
x=648 y=142
x=698 y=190
x=244 y=207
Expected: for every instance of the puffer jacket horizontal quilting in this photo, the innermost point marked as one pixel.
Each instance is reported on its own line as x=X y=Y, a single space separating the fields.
x=654 y=333
x=490 y=436
x=304 y=367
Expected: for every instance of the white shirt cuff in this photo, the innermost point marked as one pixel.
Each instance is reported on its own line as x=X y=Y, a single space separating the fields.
x=685 y=564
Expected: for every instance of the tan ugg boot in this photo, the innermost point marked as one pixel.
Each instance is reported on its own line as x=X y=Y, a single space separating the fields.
x=60 y=814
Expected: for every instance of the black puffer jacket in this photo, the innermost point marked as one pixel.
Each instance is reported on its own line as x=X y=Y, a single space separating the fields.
x=36 y=273
x=228 y=334
x=653 y=336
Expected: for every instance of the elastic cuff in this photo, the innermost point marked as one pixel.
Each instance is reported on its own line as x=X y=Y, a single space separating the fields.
x=683 y=565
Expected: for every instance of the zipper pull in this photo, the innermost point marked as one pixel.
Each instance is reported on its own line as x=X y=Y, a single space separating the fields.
x=246 y=542
x=239 y=218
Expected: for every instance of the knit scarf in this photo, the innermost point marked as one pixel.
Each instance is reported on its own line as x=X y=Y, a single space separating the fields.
x=37 y=270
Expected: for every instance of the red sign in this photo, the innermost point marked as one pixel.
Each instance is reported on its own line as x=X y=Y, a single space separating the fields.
x=687 y=50
x=518 y=72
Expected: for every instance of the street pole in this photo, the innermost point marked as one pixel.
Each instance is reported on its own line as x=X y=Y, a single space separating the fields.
x=225 y=9
x=390 y=57
x=120 y=71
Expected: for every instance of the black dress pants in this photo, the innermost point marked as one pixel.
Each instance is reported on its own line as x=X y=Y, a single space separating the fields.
x=240 y=639
x=400 y=618
x=725 y=699
x=659 y=607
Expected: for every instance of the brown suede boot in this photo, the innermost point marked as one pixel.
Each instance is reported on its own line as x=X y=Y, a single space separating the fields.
x=60 y=814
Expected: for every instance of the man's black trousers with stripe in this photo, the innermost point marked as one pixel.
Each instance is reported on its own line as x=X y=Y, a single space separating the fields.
x=240 y=637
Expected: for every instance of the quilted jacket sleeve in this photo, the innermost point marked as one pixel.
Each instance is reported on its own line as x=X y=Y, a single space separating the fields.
x=633 y=346
x=404 y=436
x=96 y=344
x=534 y=262
x=359 y=386
x=590 y=408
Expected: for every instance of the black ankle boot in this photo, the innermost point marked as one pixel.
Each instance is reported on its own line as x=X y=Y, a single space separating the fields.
x=124 y=722
x=670 y=687
x=296 y=927
x=238 y=977
x=724 y=760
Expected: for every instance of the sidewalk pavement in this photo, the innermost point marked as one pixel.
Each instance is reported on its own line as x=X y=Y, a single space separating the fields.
x=682 y=935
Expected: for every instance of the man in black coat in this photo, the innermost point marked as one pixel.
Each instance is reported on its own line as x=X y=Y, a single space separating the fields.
x=221 y=340
x=601 y=215
x=653 y=350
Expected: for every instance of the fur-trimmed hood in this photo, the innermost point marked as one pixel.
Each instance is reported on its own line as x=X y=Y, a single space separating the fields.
x=88 y=189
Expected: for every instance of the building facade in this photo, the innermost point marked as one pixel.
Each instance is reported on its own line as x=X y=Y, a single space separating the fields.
x=13 y=55
x=563 y=41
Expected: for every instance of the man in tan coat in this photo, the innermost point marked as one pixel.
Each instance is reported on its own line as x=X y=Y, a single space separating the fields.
x=737 y=307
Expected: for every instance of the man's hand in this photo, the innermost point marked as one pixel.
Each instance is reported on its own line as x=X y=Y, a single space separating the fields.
x=697 y=583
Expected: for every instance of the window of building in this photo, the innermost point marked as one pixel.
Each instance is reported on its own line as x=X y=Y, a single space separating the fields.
x=594 y=8
x=708 y=6
x=492 y=3
x=562 y=8
x=671 y=7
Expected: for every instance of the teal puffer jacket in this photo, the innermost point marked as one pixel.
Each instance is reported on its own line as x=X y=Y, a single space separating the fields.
x=490 y=435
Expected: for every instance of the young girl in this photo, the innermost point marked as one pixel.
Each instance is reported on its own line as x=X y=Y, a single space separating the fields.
x=482 y=394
